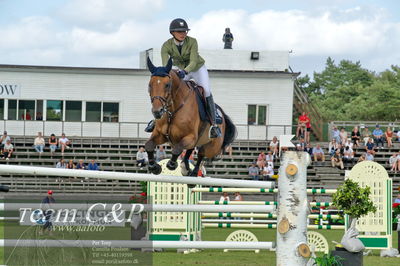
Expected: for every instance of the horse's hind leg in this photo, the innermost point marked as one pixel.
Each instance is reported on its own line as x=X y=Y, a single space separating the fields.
x=185 y=143
x=186 y=167
x=200 y=157
x=150 y=145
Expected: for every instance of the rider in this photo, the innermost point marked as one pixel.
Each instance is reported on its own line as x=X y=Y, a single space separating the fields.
x=184 y=52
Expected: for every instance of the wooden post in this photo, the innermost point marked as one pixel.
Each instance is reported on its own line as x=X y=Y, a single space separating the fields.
x=292 y=248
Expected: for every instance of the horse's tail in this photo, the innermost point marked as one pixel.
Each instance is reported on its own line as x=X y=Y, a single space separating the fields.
x=230 y=131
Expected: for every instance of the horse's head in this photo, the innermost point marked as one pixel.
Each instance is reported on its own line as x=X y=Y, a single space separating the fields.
x=159 y=88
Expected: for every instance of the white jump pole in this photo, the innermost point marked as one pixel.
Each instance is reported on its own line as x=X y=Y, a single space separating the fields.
x=291 y=233
x=146 y=207
x=206 y=181
x=136 y=244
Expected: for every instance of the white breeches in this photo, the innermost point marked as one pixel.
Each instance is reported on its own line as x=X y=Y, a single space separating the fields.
x=201 y=78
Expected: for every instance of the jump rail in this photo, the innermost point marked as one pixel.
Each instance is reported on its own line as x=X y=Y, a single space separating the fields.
x=207 y=181
x=260 y=190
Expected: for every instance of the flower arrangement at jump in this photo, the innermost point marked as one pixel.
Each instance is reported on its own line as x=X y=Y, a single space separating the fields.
x=142 y=197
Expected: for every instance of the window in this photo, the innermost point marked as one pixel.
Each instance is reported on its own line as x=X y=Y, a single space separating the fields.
x=256 y=114
x=73 y=111
x=1 y=109
x=93 y=111
x=12 y=109
x=39 y=110
x=110 y=112
x=54 y=110
x=26 y=109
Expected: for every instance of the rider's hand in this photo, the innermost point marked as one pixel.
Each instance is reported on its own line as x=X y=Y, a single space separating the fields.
x=181 y=74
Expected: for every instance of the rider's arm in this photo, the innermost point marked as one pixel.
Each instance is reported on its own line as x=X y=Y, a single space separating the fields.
x=194 y=56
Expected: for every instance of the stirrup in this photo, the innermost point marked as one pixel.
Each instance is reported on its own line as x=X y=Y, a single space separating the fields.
x=215 y=132
x=150 y=126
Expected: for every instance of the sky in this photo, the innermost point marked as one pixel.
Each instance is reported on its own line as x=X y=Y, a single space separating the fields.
x=111 y=33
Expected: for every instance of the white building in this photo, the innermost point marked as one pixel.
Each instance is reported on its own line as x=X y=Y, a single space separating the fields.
x=256 y=93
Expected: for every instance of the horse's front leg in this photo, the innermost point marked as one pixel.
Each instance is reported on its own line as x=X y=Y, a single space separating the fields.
x=185 y=143
x=200 y=157
x=150 y=145
x=186 y=167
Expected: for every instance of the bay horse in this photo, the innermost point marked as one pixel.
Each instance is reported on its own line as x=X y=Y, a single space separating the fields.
x=177 y=121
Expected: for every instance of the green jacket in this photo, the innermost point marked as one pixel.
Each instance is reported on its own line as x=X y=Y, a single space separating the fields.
x=188 y=60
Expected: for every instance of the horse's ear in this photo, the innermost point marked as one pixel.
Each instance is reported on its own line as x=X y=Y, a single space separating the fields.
x=150 y=65
x=169 y=65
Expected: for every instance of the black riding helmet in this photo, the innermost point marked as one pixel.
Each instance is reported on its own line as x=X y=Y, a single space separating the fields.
x=178 y=24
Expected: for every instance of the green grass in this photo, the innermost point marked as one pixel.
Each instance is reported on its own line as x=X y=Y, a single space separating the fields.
x=218 y=257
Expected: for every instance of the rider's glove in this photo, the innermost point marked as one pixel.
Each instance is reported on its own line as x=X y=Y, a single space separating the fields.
x=181 y=74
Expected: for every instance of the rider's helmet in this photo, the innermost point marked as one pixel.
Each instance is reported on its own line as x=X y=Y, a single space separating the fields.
x=178 y=24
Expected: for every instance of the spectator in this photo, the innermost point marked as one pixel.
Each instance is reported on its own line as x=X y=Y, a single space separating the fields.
x=53 y=143
x=160 y=154
x=369 y=156
x=274 y=146
x=318 y=153
x=3 y=140
x=261 y=160
x=370 y=146
x=254 y=171
x=269 y=158
x=337 y=160
x=224 y=197
x=389 y=136
x=229 y=150
x=70 y=165
x=238 y=197
x=93 y=166
x=394 y=163
x=343 y=135
x=27 y=116
x=355 y=137
x=141 y=157
x=63 y=143
x=348 y=143
x=397 y=199
x=398 y=135
x=366 y=135
x=191 y=157
x=362 y=158
x=80 y=165
x=8 y=150
x=309 y=149
x=61 y=164
x=378 y=136
x=333 y=145
x=303 y=127
x=268 y=172
x=336 y=134
x=48 y=211
x=308 y=129
x=39 y=116
x=39 y=143
x=348 y=155
x=302 y=144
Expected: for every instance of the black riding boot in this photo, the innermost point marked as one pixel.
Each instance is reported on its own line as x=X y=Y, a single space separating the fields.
x=150 y=126
x=215 y=131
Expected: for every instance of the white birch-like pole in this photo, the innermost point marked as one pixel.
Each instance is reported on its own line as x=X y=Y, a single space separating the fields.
x=291 y=234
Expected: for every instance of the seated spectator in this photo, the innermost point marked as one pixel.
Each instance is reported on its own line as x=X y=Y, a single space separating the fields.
x=369 y=156
x=303 y=144
x=337 y=160
x=336 y=134
x=261 y=160
x=333 y=145
x=298 y=147
x=268 y=172
x=301 y=126
x=229 y=150
x=141 y=157
x=355 y=137
x=93 y=166
x=274 y=146
x=254 y=171
x=389 y=136
x=309 y=149
x=39 y=143
x=269 y=158
x=63 y=143
x=238 y=197
x=160 y=154
x=362 y=158
x=378 y=136
x=70 y=164
x=343 y=135
x=61 y=164
x=3 y=140
x=348 y=155
x=80 y=165
x=348 y=143
x=224 y=197
x=53 y=143
x=366 y=135
x=8 y=150
x=318 y=153
x=393 y=163
x=370 y=146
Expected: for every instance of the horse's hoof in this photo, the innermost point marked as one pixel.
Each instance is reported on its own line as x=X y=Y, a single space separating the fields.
x=155 y=168
x=171 y=165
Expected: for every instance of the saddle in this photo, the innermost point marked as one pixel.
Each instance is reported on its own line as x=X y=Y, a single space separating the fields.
x=201 y=102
